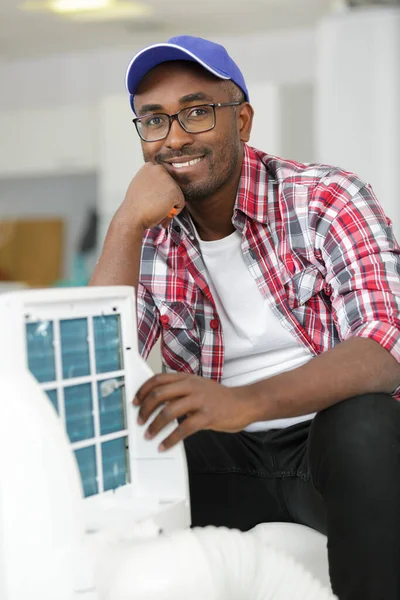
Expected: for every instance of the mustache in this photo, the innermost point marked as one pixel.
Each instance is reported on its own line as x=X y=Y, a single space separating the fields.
x=160 y=158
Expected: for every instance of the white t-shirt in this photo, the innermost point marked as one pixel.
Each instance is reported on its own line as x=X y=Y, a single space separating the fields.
x=256 y=344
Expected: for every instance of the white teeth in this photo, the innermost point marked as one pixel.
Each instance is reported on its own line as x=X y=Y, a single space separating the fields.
x=190 y=163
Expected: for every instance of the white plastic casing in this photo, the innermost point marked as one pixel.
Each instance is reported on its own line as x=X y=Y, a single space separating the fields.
x=157 y=499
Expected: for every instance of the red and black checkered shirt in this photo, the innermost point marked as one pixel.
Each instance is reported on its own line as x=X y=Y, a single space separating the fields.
x=319 y=247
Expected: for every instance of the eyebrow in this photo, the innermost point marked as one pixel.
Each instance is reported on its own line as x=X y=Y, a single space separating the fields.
x=195 y=97
x=148 y=108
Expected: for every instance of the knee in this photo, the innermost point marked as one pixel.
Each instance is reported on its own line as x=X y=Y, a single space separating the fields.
x=356 y=434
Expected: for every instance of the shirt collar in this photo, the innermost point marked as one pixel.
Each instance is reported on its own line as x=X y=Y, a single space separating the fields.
x=251 y=197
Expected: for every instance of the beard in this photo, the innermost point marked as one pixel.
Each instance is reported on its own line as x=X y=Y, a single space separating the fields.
x=222 y=165
x=221 y=161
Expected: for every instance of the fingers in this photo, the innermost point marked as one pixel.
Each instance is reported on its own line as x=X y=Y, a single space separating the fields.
x=158 y=395
x=154 y=382
x=170 y=412
x=178 y=394
x=188 y=427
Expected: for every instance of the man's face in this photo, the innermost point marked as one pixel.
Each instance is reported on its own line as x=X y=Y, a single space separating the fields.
x=175 y=85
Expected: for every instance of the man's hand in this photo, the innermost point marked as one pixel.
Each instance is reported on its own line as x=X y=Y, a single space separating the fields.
x=204 y=403
x=150 y=197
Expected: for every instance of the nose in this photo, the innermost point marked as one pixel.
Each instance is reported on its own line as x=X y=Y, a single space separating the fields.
x=177 y=137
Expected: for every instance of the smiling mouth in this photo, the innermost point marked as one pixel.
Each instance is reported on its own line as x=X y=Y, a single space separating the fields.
x=189 y=163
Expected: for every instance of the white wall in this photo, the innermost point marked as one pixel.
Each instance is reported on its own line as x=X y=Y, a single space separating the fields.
x=56 y=140
x=85 y=78
x=297 y=102
x=357 y=117
x=119 y=152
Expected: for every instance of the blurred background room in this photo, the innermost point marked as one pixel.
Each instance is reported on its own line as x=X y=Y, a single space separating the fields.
x=323 y=76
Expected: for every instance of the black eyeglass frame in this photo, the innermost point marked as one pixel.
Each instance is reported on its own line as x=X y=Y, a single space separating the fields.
x=176 y=117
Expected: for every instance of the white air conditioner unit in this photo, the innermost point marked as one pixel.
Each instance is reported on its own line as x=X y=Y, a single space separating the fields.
x=81 y=346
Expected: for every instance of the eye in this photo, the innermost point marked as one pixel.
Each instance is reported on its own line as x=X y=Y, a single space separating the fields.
x=155 y=121
x=198 y=112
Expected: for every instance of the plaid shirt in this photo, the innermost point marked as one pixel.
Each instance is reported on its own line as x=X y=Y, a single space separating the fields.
x=319 y=247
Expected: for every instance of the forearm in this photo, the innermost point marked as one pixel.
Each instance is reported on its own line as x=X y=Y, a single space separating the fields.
x=119 y=262
x=354 y=367
x=148 y=202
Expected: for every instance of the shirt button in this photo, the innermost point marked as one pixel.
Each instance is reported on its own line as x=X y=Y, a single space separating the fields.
x=214 y=324
x=181 y=250
x=164 y=320
x=328 y=289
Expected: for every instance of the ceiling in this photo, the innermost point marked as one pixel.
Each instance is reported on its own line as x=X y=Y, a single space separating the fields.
x=24 y=34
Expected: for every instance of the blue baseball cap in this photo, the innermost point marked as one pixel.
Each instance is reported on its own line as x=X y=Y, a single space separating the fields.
x=209 y=55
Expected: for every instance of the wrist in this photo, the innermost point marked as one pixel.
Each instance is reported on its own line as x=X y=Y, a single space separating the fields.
x=123 y=225
x=252 y=402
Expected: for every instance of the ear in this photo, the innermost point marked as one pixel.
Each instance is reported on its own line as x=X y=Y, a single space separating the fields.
x=245 y=121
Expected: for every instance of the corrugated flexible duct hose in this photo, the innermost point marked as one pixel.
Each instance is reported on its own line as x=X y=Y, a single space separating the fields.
x=204 y=564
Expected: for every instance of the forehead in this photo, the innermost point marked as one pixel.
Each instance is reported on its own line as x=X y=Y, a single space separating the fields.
x=171 y=81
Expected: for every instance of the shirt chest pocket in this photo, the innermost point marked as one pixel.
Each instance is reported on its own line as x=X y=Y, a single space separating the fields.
x=304 y=285
x=180 y=343
x=176 y=315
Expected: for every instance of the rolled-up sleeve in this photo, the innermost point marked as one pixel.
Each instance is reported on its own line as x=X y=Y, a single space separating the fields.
x=362 y=259
x=147 y=319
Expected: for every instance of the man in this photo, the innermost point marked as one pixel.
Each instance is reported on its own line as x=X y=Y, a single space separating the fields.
x=275 y=288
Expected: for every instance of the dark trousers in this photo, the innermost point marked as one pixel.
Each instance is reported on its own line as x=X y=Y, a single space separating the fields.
x=339 y=474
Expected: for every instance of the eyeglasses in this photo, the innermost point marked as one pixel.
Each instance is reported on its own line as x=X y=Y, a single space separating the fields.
x=195 y=119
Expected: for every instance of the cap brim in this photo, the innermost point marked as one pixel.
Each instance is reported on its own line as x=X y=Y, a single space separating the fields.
x=154 y=55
